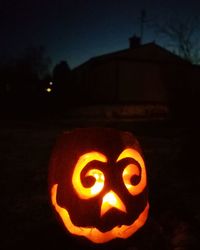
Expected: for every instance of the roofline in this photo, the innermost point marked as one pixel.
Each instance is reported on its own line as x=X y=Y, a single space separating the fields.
x=115 y=53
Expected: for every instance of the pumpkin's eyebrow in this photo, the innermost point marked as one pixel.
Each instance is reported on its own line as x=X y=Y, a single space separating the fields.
x=93 y=156
x=128 y=153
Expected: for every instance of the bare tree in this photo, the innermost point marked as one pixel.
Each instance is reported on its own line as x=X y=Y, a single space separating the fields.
x=36 y=60
x=182 y=36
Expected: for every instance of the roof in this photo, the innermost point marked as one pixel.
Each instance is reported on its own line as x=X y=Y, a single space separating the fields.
x=150 y=52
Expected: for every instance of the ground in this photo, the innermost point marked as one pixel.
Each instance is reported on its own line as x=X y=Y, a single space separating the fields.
x=171 y=153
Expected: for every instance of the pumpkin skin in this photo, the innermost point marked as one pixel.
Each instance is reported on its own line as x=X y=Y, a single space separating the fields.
x=98 y=184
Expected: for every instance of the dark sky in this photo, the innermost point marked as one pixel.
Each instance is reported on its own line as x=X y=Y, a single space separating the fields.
x=76 y=30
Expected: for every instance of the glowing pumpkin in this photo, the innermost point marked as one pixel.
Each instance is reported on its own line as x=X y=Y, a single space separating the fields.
x=98 y=184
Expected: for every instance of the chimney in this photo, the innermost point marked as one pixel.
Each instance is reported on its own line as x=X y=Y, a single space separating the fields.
x=134 y=42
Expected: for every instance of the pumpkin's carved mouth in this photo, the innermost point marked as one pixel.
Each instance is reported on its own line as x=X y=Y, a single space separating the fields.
x=94 y=234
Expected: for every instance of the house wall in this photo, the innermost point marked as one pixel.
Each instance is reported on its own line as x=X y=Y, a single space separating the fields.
x=101 y=79
x=141 y=82
x=123 y=82
x=126 y=81
x=96 y=83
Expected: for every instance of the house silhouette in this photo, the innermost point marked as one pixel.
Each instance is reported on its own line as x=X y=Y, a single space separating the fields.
x=144 y=77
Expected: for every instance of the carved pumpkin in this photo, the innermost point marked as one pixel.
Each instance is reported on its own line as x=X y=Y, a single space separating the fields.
x=98 y=184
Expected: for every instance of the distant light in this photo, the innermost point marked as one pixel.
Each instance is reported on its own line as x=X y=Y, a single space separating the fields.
x=50 y=83
x=48 y=90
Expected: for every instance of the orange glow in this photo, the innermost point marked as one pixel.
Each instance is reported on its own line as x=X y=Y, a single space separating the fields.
x=110 y=200
x=99 y=183
x=88 y=192
x=93 y=234
x=132 y=169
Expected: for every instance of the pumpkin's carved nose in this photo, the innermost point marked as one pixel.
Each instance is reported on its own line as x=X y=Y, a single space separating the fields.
x=112 y=200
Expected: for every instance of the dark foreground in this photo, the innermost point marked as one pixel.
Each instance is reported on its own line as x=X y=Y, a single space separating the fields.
x=172 y=159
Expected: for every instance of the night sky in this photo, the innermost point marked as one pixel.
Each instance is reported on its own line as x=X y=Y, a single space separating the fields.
x=76 y=30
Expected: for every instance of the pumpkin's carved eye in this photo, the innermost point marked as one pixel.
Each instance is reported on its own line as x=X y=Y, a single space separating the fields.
x=94 y=178
x=131 y=177
x=96 y=182
x=134 y=178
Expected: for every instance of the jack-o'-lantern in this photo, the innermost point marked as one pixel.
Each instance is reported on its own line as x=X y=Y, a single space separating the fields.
x=98 y=184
